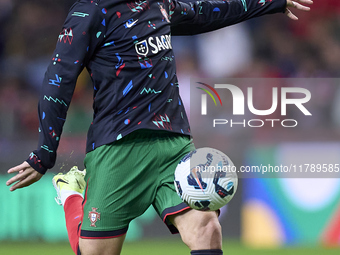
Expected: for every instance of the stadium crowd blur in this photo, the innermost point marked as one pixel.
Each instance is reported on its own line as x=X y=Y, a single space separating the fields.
x=271 y=46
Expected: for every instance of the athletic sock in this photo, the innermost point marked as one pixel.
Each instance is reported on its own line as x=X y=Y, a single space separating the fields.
x=73 y=216
x=207 y=252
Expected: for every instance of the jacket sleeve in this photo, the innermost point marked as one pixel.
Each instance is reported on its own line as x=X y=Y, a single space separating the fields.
x=82 y=32
x=192 y=18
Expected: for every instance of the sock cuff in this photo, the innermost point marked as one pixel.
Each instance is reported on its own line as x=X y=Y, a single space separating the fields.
x=207 y=252
x=70 y=197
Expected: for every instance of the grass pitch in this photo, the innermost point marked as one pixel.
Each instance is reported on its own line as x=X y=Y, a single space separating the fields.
x=155 y=247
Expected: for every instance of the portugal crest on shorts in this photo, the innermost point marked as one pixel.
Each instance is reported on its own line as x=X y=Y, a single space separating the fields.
x=94 y=216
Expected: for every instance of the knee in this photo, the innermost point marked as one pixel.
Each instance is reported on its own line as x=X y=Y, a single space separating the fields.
x=202 y=232
x=109 y=246
x=89 y=247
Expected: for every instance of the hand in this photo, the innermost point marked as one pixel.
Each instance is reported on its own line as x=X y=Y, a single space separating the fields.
x=296 y=5
x=26 y=176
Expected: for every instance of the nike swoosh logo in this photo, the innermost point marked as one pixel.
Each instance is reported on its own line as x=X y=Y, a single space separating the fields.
x=128 y=25
x=197 y=179
x=78 y=184
x=61 y=180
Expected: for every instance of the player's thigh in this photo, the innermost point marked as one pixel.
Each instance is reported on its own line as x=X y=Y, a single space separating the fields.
x=110 y=246
x=199 y=229
x=167 y=202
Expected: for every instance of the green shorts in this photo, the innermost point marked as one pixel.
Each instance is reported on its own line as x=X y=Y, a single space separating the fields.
x=126 y=177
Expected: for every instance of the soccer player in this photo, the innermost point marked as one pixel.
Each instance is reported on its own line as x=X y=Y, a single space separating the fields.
x=140 y=130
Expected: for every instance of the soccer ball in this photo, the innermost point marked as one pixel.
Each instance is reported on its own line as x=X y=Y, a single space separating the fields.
x=206 y=179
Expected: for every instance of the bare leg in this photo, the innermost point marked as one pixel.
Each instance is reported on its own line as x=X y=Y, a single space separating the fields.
x=199 y=230
x=110 y=246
